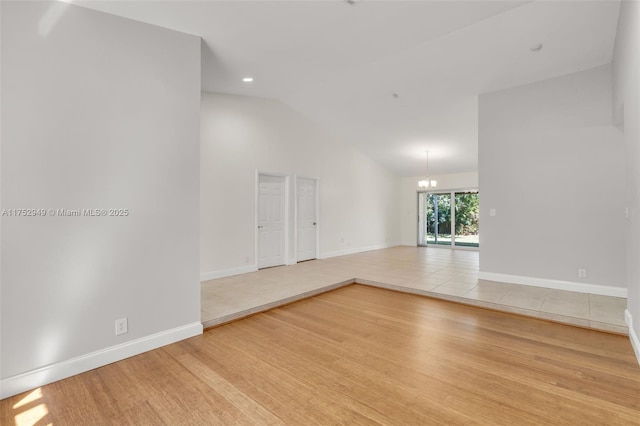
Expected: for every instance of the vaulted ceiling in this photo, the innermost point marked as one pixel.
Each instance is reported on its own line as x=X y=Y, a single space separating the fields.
x=392 y=78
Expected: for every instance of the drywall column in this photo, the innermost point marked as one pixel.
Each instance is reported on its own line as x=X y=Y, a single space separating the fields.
x=100 y=139
x=626 y=113
x=551 y=164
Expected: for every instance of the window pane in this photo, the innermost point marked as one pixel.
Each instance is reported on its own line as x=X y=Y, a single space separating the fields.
x=467 y=215
x=438 y=217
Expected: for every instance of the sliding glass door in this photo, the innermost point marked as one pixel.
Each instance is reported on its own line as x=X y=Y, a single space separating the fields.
x=448 y=218
x=467 y=219
x=438 y=218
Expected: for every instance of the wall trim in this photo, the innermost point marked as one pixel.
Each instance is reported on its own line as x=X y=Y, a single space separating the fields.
x=633 y=337
x=555 y=284
x=357 y=250
x=61 y=370
x=409 y=243
x=221 y=273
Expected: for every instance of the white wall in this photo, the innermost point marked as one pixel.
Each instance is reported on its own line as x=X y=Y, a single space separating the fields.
x=552 y=165
x=626 y=110
x=98 y=112
x=410 y=201
x=239 y=135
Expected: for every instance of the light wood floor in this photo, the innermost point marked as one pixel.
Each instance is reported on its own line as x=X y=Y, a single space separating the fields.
x=359 y=355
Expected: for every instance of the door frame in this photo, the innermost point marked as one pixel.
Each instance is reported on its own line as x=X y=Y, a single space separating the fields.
x=285 y=177
x=295 y=216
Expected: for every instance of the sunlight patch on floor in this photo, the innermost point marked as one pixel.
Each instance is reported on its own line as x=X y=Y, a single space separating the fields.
x=30 y=414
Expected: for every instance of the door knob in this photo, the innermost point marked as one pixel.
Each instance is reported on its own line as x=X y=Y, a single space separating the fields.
x=314 y=224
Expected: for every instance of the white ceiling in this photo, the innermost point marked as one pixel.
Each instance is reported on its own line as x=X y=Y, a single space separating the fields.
x=340 y=64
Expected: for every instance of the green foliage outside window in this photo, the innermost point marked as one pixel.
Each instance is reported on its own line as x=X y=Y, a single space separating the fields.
x=466 y=210
x=467 y=213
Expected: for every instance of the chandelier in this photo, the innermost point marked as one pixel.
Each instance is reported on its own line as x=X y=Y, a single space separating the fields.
x=428 y=182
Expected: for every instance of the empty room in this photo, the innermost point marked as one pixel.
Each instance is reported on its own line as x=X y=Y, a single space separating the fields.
x=320 y=212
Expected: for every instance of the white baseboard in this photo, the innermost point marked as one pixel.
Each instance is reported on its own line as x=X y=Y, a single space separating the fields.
x=356 y=250
x=206 y=276
x=409 y=243
x=61 y=370
x=635 y=342
x=555 y=284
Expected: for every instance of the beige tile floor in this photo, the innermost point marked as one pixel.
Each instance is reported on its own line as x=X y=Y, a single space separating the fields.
x=440 y=273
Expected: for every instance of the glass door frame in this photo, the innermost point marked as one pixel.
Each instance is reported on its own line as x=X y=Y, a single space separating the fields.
x=421 y=212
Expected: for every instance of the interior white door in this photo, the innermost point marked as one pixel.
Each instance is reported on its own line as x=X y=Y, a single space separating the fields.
x=306 y=218
x=271 y=223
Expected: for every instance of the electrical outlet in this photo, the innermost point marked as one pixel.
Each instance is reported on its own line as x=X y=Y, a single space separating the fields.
x=121 y=326
x=492 y=212
x=582 y=273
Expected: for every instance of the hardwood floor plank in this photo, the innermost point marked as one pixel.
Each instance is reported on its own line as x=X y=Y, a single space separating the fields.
x=251 y=410
x=359 y=356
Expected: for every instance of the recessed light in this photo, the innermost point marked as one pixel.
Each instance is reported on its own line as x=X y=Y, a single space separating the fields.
x=394 y=95
x=536 y=47
x=247 y=79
